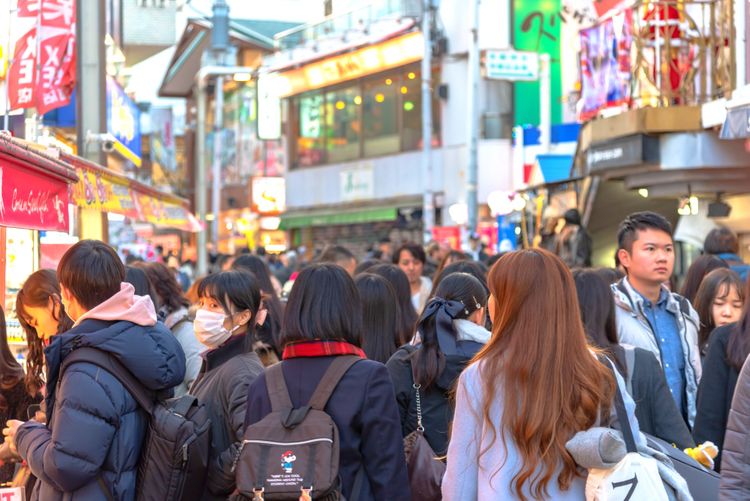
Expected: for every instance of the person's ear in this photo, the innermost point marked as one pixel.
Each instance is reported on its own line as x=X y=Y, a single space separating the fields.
x=243 y=317
x=624 y=257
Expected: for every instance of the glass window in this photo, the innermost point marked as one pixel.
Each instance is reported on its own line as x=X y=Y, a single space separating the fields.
x=381 y=116
x=410 y=89
x=311 y=136
x=344 y=123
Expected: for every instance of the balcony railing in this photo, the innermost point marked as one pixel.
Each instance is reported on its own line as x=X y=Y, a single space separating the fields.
x=359 y=25
x=684 y=52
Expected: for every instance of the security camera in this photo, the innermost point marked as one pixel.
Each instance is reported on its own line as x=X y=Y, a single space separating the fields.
x=105 y=140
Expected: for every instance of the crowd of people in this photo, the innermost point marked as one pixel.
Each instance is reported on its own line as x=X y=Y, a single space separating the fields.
x=495 y=363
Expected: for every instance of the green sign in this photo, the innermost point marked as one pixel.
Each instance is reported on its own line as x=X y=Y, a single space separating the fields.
x=536 y=28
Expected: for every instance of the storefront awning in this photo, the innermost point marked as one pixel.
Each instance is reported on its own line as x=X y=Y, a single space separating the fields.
x=33 y=187
x=101 y=189
x=289 y=222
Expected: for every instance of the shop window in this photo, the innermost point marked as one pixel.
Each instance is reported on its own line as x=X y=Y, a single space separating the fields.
x=344 y=124
x=380 y=115
x=410 y=89
x=311 y=136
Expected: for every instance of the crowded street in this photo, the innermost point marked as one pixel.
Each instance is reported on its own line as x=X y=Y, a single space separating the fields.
x=364 y=250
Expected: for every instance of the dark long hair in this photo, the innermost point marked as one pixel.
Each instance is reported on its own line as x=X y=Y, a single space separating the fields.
x=429 y=361
x=475 y=268
x=323 y=304
x=452 y=257
x=716 y=282
x=168 y=291
x=137 y=277
x=701 y=267
x=597 y=307
x=271 y=301
x=381 y=316
x=36 y=292
x=11 y=372
x=738 y=345
x=401 y=287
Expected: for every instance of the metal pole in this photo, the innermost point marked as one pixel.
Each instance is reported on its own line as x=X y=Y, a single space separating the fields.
x=428 y=209
x=472 y=96
x=200 y=177
x=216 y=167
x=545 y=102
x=92 y=116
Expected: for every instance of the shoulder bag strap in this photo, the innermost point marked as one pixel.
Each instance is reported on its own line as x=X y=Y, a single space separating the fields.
x=277 y=390
x=331 y=379
x=143 y=396
x=629 y=366
x=417 y=398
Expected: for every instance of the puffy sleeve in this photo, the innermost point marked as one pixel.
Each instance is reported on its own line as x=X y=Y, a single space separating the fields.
x=66 y=457
x=221 y=478
x=462 y=474
x=735 y=468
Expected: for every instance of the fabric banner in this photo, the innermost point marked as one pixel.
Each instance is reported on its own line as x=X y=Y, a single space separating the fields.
x=605 y=65
x=30 y=199
x=50 y=86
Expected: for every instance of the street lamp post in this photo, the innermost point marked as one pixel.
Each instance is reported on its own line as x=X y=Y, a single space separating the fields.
x=201 y=82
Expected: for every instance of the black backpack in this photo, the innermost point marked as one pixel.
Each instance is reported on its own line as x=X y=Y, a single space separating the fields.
x=174 y=455
x=293 y=453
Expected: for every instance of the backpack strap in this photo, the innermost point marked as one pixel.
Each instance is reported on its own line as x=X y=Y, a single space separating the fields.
x=629 y=366
x=331 y=379
x=277 y=390
x=104 y=360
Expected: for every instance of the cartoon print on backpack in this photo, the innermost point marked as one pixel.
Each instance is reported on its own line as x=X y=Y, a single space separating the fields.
x=287 y=461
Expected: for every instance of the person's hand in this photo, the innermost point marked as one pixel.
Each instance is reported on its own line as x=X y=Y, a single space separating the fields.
x=10 y=433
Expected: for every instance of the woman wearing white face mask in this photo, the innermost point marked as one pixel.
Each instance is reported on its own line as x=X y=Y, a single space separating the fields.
x=229 y=309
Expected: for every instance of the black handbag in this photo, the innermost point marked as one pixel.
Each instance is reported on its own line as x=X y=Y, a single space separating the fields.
x=425 y=469
x=703 y=483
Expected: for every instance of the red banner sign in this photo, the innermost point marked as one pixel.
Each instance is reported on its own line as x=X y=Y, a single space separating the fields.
x=51 y=85
x=30 y=199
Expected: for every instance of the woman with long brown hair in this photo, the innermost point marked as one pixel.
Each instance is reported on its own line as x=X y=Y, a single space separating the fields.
x=42 y=315
x=528 y=391
x=14 y=397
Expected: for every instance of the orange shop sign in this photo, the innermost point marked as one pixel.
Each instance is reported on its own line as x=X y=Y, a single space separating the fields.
x=390 y=54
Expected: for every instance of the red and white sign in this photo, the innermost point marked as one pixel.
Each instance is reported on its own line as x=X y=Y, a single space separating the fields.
x=12 y=494
x=30 y=199
x=49 y=85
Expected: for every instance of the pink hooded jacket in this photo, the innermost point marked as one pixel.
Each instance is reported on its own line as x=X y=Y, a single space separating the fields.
x=124 y=305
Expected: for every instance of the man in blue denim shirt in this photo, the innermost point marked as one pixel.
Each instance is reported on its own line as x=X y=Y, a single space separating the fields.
x=667 y=332
x=651 y=317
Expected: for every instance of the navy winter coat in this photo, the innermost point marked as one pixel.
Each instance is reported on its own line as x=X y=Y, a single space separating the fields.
x=363 y=406
x=96 y=428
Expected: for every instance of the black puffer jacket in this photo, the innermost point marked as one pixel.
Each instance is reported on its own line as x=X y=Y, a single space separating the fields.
x=222 y=385
x=437 y=412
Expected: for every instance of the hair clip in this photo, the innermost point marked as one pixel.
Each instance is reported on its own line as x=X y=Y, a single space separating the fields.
x=476 y=303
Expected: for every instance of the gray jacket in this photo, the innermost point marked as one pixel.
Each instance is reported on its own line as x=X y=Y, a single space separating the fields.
x=182 y=327
x=633 y=328
x=735 y=462
x=222 y=385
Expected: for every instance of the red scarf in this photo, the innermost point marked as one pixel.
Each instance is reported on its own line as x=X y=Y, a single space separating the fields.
x=321 y=348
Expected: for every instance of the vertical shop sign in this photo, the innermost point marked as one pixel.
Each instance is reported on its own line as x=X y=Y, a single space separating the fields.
x=536 y=28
